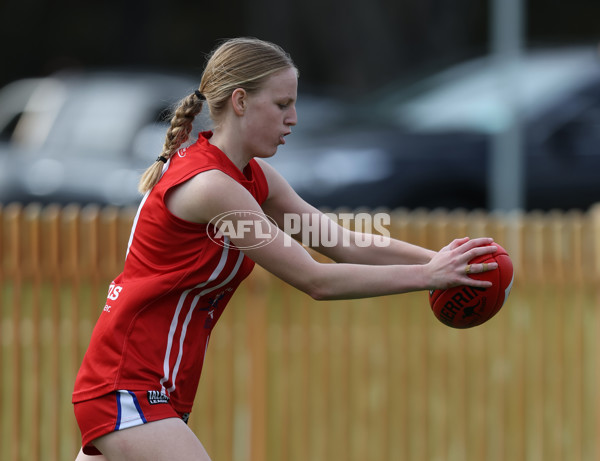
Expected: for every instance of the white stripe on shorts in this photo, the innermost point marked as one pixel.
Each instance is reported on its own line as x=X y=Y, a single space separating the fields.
x=129 y=411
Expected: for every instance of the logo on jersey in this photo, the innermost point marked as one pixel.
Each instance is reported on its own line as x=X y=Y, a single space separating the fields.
x=213 y=309
x=156 y=397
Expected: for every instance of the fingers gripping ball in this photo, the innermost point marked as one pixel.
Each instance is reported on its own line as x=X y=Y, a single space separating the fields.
x=466 y=307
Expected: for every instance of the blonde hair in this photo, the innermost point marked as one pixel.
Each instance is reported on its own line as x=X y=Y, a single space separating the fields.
x=237 y=63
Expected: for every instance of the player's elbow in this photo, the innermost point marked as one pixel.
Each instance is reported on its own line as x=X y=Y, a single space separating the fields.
x=314 y=280
x=317 y=288
x=318 y=294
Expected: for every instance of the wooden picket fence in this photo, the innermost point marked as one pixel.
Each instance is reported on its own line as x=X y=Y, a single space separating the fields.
x=288 y=378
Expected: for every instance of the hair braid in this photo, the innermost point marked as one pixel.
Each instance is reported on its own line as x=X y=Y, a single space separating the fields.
x=177 y=134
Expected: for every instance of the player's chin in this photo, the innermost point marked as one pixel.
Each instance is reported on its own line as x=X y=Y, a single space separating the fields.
x=270 y=152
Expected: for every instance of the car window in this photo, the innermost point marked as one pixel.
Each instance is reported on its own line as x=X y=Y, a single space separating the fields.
x=15 y=99
x=581 y=135
x=8 y=127
x=100 y=118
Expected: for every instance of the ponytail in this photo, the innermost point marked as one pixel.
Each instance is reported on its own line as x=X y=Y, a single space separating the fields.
x=177 y=134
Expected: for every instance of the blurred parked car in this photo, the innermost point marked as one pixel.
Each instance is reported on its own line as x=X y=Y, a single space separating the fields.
x=428 y=144
x=83 y=137
x=87 y=137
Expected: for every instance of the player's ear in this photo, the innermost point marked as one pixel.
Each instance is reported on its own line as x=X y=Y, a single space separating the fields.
x=239 y=101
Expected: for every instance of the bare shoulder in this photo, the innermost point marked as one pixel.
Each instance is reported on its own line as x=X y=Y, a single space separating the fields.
x=206 y=195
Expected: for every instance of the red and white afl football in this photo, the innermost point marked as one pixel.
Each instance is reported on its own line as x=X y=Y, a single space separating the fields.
x=467 y=307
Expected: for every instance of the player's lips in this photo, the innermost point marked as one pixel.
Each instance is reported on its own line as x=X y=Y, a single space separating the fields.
x=282 y=137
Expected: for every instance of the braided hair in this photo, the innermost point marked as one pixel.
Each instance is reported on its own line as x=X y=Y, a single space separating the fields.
x=236 y=63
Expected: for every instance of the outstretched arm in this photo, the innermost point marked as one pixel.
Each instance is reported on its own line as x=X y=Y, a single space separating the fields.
x=213 y=193
x=340 y=244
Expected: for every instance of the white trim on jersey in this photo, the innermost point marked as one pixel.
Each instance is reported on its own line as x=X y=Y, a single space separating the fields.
x=135 y=221
x=137 y=214
x=175 y=320
x=188 y=317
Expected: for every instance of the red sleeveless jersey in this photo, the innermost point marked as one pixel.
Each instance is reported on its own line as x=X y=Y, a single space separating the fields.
x=160 y=311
